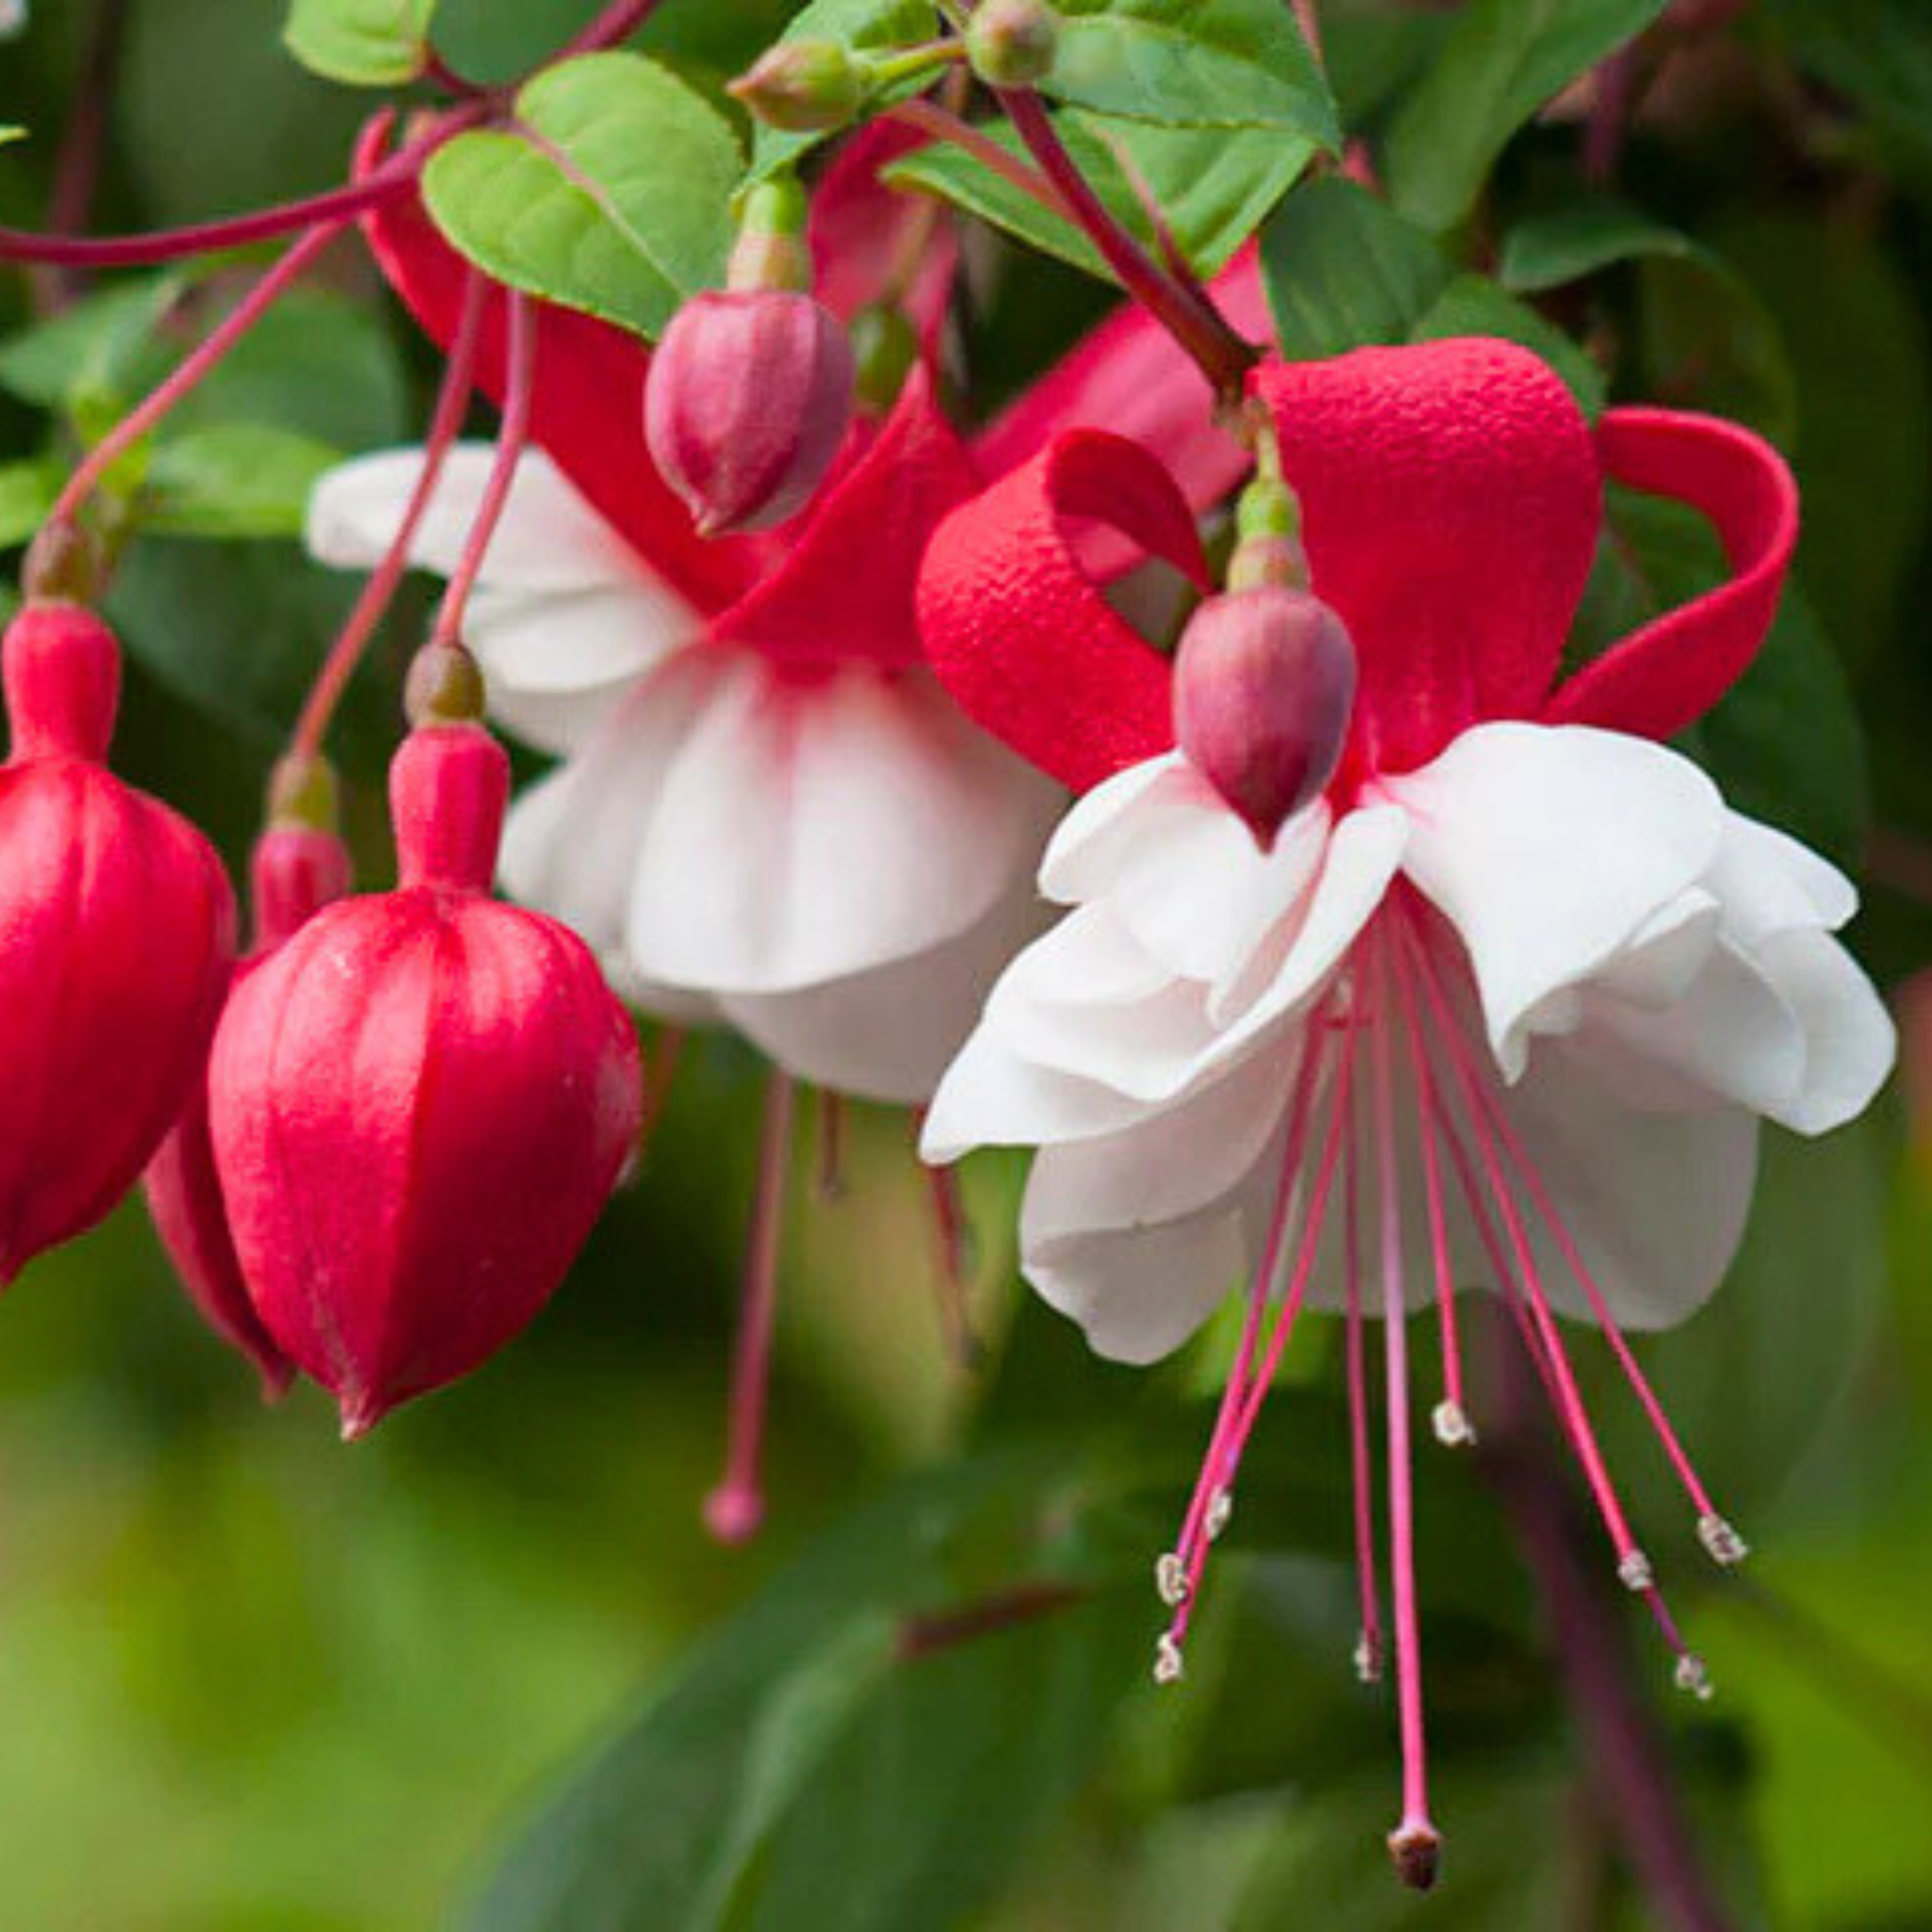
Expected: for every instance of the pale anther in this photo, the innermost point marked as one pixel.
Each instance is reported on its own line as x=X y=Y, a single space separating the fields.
x=1634 y=1572
x=1368 y=1659
x=1169 y=1666
x=1170 y=1579
x=1453 y=1429
x=1693 y=1677
x=1723 y=1544
x=1220 y=1507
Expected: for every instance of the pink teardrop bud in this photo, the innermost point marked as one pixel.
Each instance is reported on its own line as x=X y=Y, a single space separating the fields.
x=1263 y=687
x=747 y=403
x=296 y=870
x=419 y=1105
x=117 y=930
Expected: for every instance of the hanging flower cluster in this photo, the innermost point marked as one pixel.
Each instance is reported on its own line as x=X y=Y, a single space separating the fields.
x=1367 y=950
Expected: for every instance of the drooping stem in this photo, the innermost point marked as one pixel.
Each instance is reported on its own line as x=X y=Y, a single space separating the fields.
x=77 y=161
x=452 y=399
x=513 y=437
x=193 y=369
x=1623 y=1743
x=930 y=118
x=1224 y=356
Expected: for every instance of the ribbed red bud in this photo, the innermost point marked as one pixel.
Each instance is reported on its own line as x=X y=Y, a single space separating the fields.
x=117 y=928
x=1264 y=686
x=295 y=872
x=419 y=1104
x=746 y=404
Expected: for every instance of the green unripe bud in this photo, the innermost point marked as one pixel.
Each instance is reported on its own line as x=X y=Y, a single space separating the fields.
x=1012 y=43
x=804 y=87
x=771 y=251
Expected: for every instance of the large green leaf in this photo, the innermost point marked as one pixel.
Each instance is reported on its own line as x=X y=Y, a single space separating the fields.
x=610 y=194
x=364 y=43
x=1193 y=64
x=1503 y=60
x=232 y=480
x=1213 y=187
x=27 y=493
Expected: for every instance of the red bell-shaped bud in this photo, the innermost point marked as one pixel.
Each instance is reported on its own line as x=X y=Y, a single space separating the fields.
x=1264 y=686
x=297 y=869
x=420 y=1104
x=746 y=404
x=117 y=929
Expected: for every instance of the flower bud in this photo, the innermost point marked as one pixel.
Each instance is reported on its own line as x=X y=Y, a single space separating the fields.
x=297 y=869
x=805 y=86
x=1012 y=43
x=117 y=929
x=885 y=346
x=419 y=1104
x=746 y=405
x=1264 y=686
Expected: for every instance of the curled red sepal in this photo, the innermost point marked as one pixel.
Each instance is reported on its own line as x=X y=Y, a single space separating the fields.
x=843 y=591
x=1014 y=623
x=1450 y=503
x=1670 y=673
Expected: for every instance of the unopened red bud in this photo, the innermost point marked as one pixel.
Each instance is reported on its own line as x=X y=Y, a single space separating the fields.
x=804 y=86
x=748 y=400
x=1012 y=43
x=1264 y=686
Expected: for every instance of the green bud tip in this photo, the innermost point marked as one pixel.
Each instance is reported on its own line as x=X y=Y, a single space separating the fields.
x=444 y=686
x=302 y=791
x=1012 y=43
x=804 y=87
x=61 y=566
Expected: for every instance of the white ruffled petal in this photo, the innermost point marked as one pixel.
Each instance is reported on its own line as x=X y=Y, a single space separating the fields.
x=992 y=1096
x=1769 y=883
x=549 y=538
x=1550 y=850
x=1850 y=1041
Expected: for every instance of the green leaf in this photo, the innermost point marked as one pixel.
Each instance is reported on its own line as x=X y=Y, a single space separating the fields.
x=609 y=195
x=232 y=480
x=1503 y=60
x=97 y=344
x=1193 y=64
x=1213 y=188
x=1343 y=270
x=27 y=493
x=866 y=25
x=362 y=43
x=1473 y=305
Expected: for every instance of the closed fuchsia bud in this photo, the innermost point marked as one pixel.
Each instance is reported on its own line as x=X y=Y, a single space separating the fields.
x=117 y=928
x=750 y=393
x=419 y=1104
x=1012 y=43
x=1265 y=678
x=804 y=86
x=297 y=869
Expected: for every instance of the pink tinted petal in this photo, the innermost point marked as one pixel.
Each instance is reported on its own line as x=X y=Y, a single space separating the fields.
x=588 y=408
x=1668 y=674
x=1017 y=628
x=843 y=593
x=1450 y=505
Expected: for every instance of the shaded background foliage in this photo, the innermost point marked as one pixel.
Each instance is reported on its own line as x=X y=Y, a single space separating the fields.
x=485 y=1668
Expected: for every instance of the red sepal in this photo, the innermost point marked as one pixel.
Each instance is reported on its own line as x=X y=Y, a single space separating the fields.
x=1669 y=673
x=1015 y=624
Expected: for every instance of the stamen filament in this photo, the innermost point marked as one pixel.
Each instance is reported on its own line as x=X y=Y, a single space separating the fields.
x=1368 y=1647
x=734 y=1509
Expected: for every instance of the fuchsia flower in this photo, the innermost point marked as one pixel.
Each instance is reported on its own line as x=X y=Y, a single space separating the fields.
x=419 y=1104
x=117 y=927
x=1504 y=1005
x=768 y=812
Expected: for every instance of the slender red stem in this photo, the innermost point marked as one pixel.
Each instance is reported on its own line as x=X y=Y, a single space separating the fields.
x=512 y=438
x=930 y=118
x=193 y=369
x=346 y=653
x=618 y=22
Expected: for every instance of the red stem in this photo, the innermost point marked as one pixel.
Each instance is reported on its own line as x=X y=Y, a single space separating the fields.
x=930 y=118
x=1225 y=358
x=512 y=437
x=77 y=163
x=346 y=653
x=193 y=369
x=618 y=22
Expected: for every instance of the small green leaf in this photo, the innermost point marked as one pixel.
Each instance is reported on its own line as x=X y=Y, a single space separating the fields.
x=11 y=132
x=1194 y=63
x=27 y=493
x=868 y=26
x=609 y=195
x=1212 y=187
x=232 y=480
x=1473 y=305
x=1503 y=60
x=1344 y=270
x=361 y=43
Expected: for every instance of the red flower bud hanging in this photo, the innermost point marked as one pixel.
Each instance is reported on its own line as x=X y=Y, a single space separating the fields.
x=297 y=870
x=750 y=393
x=419 y=1104
x=116 y=930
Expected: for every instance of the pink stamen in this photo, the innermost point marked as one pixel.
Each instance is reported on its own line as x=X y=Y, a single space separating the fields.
x=1369 y=1648
x=1415 y=1843
x=1451 y=1419
x=735 y=1508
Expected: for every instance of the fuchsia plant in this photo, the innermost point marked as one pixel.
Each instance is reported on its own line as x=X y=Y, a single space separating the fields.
x=1393 y=961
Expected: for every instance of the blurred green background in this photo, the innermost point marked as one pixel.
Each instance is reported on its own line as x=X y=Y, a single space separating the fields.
x=254 y=1681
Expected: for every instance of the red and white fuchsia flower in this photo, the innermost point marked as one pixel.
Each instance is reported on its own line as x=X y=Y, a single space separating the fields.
x=1504 y=1005
x=117 y=927
x=419 y=1104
